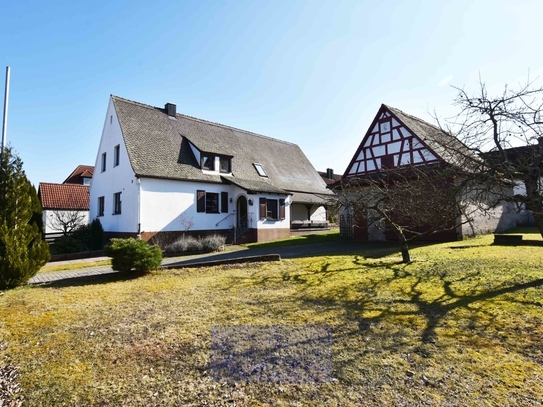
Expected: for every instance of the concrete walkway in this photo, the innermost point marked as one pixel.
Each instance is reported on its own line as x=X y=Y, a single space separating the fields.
x=232 y=252
x=48 y=276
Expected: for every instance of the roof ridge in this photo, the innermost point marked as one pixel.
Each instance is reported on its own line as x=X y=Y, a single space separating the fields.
x=414 y=118
x=133 y=102
x=235 y=128
x=205 y=121
x=62 y=184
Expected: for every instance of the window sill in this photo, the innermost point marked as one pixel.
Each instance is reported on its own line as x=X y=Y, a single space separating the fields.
x=116 y=213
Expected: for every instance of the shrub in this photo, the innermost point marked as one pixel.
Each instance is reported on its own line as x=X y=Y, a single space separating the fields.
x=84 y=237
x=190 y=245
x=163 y=239
x=22 y=250
x=185 y=244
x=96 y=235
x=213 y=243
x=128 y=254
x=67 y=244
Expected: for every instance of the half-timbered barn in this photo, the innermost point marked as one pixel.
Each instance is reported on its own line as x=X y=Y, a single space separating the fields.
x=396 y=141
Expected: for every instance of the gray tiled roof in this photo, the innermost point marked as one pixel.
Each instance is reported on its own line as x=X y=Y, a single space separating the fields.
x=158 y=146
x=305 y=198
x=446 y=145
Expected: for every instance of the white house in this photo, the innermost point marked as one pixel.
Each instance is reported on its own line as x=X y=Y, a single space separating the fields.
x=65 y=206
x=159 y=171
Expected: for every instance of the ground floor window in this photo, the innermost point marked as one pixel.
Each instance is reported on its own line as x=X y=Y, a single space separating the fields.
x=272 y=209
x=101 y=206
x=212 y=202
x=208 y=202
x=117 y=202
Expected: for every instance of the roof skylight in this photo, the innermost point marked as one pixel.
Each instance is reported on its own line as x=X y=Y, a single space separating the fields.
x=260 y=170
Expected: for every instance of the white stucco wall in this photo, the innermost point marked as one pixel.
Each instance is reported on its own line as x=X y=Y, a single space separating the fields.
x=164 y=203
x=114 y=179
x=50 y=225
x=299 y=212
x=497 y=219
x=271 y=224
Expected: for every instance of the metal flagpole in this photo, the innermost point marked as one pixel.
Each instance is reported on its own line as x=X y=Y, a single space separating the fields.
x=5 y=121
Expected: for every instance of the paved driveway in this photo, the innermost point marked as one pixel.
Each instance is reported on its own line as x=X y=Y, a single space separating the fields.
x=286 y=252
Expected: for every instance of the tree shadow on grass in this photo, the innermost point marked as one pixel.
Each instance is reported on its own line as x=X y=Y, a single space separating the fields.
x=417 y=302
x=424 y=297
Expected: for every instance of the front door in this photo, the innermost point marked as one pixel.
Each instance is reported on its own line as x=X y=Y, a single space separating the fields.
x=242 y=220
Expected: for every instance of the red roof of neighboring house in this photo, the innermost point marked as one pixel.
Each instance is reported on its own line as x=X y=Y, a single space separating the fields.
x=330 y=181
x=82 y=171
x=64 y=196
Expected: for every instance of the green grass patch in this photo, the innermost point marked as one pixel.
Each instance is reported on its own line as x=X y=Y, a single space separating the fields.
x=73 y=265
x=331 y=236
x=461 y=325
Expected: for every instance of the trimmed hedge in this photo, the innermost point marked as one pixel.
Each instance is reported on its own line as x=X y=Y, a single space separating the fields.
x=129 y=254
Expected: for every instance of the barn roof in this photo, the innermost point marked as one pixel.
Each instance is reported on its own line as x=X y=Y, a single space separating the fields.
x=64 y=196
x=396 y=139
x=446 y=145
x=161 y=146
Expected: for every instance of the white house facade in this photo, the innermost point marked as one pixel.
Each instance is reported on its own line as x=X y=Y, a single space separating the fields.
x=159 y=171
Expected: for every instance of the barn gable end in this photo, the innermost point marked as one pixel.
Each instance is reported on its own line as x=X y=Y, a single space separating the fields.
x=389 y=143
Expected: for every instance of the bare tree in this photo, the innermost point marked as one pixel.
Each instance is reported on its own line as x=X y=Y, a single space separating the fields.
x=186 y=222
x=65 y=221
x=505 y=130
x=412 y=202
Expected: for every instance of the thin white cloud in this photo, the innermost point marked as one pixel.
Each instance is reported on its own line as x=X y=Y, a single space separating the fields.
x=445 y=81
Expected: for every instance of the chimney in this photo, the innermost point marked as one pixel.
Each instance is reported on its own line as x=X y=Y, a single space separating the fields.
x=170 y=109
x=330 y=173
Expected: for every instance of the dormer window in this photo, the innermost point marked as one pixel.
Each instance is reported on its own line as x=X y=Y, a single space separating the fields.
x=224 y=164
x=216 y=163
x=260 y=170
x=208 y=162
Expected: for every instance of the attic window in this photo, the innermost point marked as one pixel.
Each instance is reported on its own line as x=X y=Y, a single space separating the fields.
x=224 y=164
x=208 y=162
x=260 y=170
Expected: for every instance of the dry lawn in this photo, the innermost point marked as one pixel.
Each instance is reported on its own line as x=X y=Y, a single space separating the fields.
x=457 y=327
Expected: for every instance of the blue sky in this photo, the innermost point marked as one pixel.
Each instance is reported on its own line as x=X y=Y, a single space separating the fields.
x=310 y=72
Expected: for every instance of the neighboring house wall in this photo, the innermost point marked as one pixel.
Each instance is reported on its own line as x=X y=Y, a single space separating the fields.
x=523 y=216
x=52 y=225
x=497 y=219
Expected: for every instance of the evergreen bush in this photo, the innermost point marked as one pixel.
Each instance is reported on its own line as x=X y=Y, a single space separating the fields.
x=67 y=244
x=22 y=250
x=128 y=254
